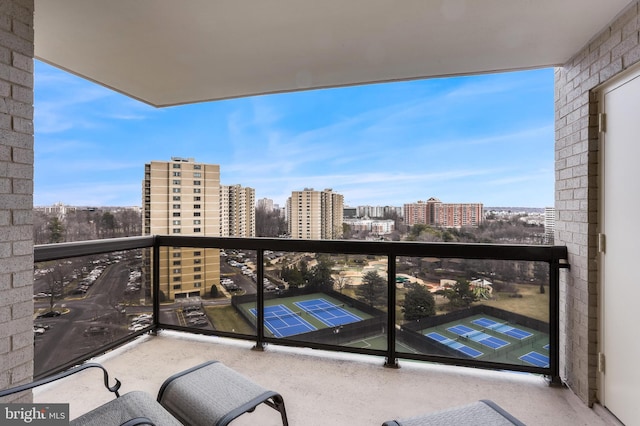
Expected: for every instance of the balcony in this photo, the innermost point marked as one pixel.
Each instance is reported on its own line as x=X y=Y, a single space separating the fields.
x=321 y=387
x=106 y=286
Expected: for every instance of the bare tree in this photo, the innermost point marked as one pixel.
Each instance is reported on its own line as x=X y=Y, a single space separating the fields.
x=341 y=281
x=55 y=282
x=269 y=223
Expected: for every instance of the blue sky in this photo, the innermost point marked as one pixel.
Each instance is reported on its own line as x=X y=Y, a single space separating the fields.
x=486 y=138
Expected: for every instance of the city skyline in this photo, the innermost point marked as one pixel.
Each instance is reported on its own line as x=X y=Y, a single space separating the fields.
x=486 y=138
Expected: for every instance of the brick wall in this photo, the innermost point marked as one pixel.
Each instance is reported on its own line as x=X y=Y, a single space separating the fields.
x=16 y=194
x=576 y=197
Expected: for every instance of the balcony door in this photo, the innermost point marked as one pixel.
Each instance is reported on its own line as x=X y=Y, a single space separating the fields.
x=620 y=248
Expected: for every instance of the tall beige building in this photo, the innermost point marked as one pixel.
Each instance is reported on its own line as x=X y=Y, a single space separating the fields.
x=182 y=197
x=315 y=215
x=237 y=211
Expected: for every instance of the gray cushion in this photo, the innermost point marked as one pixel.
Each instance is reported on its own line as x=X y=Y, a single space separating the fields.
x=480 y=413
x=129 y=406
x=211 y=394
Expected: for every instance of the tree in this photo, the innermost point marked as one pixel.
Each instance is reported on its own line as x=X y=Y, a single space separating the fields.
x=341 y=281
x=55 y=282
x=214 y=291
x=56 y=230
x=269 y=223
x=461 y=294
x=418 y=303
x=292 y=276
x=40 y=228
x=319 y=277
x=108 y=224
x=373 y=289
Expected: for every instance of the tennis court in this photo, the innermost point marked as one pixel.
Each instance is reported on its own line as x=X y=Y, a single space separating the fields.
x=506 y=329
x=454 y=345
x=478 y=336
x=328 y=313
x=283 y=322
x=534 y=358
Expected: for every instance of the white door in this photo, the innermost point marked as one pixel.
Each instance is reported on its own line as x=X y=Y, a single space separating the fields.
x=620 y=260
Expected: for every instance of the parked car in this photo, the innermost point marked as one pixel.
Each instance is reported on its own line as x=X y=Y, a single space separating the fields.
x=198 y=322
x=95 y=330
x=49 y=314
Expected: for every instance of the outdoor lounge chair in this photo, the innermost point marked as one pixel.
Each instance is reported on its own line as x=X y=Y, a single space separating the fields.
x=208 y=394
x=480 y=413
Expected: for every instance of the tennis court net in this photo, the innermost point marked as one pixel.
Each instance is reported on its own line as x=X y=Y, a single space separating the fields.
x=281 y=315
x=312 y=311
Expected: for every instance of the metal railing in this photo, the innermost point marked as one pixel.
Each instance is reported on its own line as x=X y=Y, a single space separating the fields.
x=554 y=256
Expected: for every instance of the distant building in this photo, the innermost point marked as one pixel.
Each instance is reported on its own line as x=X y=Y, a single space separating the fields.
x=433 y=212
x=378 y=211
x=237 y=211
x=375 y=226
x=58 y=209
x=266 y=204
x=61 y=209
x=350 y=212
x=549 y=224
x=182 y=197
x=315 y=215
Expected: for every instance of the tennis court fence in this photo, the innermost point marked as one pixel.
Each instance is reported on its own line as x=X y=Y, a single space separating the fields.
x=505 y=316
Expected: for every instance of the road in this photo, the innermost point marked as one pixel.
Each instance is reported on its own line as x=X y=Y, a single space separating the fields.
x=67 y=338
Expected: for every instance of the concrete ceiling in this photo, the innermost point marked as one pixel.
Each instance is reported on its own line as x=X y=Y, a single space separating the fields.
x=169 y=52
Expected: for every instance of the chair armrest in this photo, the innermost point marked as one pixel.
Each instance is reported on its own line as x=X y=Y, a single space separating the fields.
x=62 y=375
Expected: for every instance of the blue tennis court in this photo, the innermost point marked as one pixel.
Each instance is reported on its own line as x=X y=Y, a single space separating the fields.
x=478 y=336
x=455 y=345
x=328 y=313
x=283 y=322
x=510 y=331
x=534 y=358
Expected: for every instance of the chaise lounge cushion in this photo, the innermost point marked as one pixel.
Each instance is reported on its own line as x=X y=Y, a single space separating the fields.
x=481 y=413
x=133 y=408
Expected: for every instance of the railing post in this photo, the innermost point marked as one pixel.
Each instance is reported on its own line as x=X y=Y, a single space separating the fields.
x=392 y=360
x=155 y=282
x=260 y=300
x=554 y=322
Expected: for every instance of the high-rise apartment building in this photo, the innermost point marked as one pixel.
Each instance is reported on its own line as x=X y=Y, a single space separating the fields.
x=549 y=224
x=315 y=215
x=182 y=197
x=237 y=211
x=434 y=212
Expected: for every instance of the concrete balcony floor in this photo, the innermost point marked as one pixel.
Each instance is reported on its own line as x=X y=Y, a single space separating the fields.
x=321 y=388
